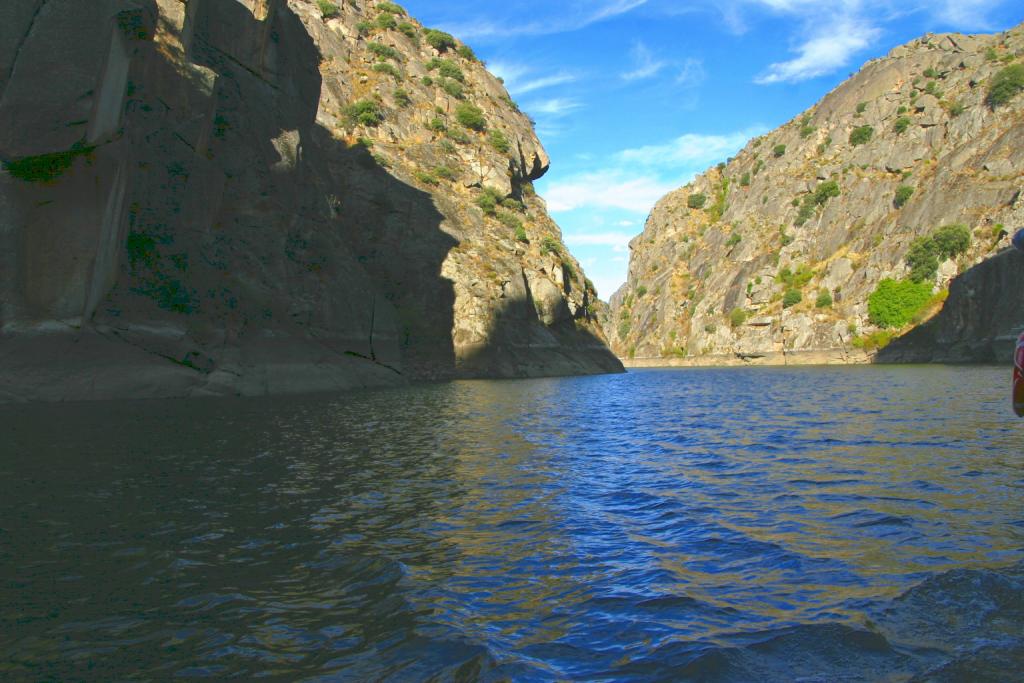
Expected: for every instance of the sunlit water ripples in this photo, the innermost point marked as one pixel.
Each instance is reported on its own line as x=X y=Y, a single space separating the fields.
x=850 y=524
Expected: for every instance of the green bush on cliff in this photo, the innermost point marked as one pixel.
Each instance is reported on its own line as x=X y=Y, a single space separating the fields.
x=779 y=151
x=389 y=69
x=697 y=201
x=903 y=195
x=521 y=235
x=499 y=142
x=824 y=299
x=737 y=317
x=46 y=168
x=895 y=302
x=439 y=40
x=549 y=245
x=902 y=124
x=466 y=52
x=489 y=200
x=1006 y=85
x=386 y=21
x=383 y=51
x=365 y=113
x=641 y=292
x=861 y=135
x=471 y=116
x=328 y=10
x=791 y=298
x=391 y=8
x=510 y=220
x=453 y=88
x=446 y=68
x=927 y=252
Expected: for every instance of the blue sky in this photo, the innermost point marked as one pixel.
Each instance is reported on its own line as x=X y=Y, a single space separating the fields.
x=632 y=98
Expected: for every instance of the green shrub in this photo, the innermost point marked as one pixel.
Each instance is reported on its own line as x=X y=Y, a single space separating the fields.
x=407 y=29
x=437 y=125
x=499 y=142
x=389 y=69
x=902 y=124
x=365 y=112
x=737 y=317
x=383 y=51
x=862 y=107
x=797 y=280
x=825 y=191
x=446 y=173
x=624 y=327
x=895 y=302
x=861 y=135
x=364 y=27
x=697 y=201
x=806 y=129
x=402 y=98
x=466 y=52
x=446 y=68
x=391 y=8
x=521 y=235
x=509 y=220
x=549 y=245
x=824 y=299
x=46 y=168
x=471 y=116
x=426 y=178
x=923 y=259
x=931 y=73
x=1005 y=85
x=779 y=151
x=641 y=291
x=386 y=21
x=458 y=135
x=734 y=239
x=874 y=341
x=439 y=40
x=328 y=10
x=952 y=240
x=489 y=200
x=745 y=179
x=453 y=88
x=903 y=195
x=791 y=298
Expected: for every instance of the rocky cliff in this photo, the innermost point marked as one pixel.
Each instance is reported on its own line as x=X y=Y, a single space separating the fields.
x=266 y=196
x=846 y=228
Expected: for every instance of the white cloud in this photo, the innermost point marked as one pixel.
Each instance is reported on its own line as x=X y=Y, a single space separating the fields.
x=607 y=189
x=578 y=16
x=619 y=241
x=646 y=65
x=520 y=79
x=823 y=53
x=966 y=14
x=557 y=107
x=692 y=73
x=691 y=150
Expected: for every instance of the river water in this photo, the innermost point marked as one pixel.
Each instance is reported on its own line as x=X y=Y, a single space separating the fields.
x=848 y=524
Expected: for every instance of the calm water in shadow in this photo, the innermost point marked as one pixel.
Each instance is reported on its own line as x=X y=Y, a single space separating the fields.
x=709 y=525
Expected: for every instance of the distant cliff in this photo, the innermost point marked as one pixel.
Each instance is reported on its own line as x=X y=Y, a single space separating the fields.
x=846 y=228
x=267 y=196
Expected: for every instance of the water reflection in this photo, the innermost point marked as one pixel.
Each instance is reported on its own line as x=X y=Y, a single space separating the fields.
x=712 y=525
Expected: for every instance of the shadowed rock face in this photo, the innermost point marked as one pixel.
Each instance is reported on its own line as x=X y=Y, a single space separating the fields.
x=190 y=209
x=911 y=144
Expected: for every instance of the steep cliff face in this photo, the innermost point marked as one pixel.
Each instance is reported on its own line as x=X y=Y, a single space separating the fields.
x=776 y=254
x=263 y=196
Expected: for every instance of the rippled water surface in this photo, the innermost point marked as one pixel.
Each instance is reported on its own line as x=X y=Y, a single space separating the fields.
x=711 y=525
